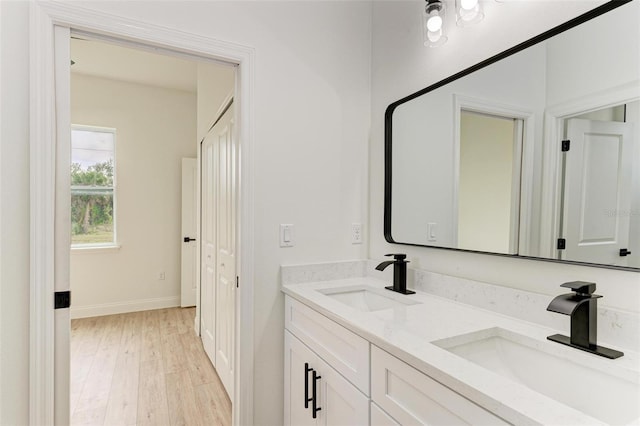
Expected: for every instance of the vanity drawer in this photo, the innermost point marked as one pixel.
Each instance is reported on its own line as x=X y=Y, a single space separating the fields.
x=344 y=350
x=412 y=397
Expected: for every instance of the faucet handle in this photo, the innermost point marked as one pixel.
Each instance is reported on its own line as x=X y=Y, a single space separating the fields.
x=583 y=288
x=398 y=256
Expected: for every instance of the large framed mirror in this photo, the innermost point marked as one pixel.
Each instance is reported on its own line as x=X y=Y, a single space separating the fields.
x=534 y=152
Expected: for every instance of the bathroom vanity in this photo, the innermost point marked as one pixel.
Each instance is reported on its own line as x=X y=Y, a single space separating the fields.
x=358 y=354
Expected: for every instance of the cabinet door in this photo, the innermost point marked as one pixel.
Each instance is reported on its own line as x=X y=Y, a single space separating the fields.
x=412 y=397
x=341 y=403
x=296 y=357
x=344 y=350
x=337 y=400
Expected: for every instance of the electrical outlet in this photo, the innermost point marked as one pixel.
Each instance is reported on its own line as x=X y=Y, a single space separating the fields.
x=356 y=233
x=161 y=276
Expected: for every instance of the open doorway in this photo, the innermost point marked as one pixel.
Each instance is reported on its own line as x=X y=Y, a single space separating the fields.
x=489 y=181
x=136 y=116
x=50 y=236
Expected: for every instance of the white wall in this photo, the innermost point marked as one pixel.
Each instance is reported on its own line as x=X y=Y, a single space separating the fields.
x=400 y=66
x=215 y=84
x=14 y=219
x=155 y=129
x=312 y=115
x=572 y=69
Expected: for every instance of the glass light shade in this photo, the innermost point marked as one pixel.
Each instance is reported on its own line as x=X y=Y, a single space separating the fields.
x=433 y=24
x=468 y=12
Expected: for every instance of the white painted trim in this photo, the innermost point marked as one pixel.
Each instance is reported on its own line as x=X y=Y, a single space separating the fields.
x=44 y=15
x=94 y=249
x=551 y=164
x=244 y=354
x=515 y=230
x=461 y=102
x=124 y=307
x=62 y=231
x=1 y=210
x=42 y=190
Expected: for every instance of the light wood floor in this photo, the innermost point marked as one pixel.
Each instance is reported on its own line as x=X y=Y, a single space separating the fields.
x=143 y=368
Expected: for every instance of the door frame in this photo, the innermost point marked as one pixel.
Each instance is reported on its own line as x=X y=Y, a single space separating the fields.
x=552 y=159
x=45 y=17
x=525 y=171
x=195 y=205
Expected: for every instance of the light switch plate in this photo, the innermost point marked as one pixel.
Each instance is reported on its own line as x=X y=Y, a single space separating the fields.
x=432 y=234
x=287 y=235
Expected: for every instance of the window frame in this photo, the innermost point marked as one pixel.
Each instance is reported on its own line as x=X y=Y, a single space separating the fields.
x=114 y=243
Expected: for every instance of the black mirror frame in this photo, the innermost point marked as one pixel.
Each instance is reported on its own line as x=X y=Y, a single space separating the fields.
x=600 y=10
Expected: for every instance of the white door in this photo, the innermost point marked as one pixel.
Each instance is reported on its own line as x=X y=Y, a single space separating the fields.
x=219 y=247
x=207 y=250
x=225 y=176
x=188 y=269
x=597 y=202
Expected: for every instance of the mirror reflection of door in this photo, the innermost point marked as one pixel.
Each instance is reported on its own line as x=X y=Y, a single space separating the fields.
x=489 y=182
x=598 y=199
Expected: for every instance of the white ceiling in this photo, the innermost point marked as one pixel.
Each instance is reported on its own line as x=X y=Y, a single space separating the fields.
x=136 y=66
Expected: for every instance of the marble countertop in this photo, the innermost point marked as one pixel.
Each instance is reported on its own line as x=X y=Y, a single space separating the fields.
x=408 y=331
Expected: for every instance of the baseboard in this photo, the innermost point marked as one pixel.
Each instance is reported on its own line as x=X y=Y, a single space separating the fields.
x=124 y=307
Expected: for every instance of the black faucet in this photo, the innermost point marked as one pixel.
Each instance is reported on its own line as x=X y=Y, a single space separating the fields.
x=583 y=309
x=399 y=273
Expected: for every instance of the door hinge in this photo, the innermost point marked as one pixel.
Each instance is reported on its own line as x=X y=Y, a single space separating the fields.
x=562 y=244
x=566 y=145
x=237 y=282
x=62 y=299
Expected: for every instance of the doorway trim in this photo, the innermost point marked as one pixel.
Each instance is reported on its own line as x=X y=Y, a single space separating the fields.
x=526 y=153
x=45 y=17
x=551 y=163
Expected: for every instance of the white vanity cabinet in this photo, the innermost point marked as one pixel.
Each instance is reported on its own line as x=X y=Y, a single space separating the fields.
x=316 y=346
x=315 y=393
x=357 y=384
x=412 y=397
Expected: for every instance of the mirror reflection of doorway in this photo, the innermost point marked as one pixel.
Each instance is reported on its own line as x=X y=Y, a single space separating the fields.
x=489 y=182
x=599 y=191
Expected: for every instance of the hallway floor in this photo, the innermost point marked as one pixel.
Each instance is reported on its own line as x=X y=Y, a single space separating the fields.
x=143 y=368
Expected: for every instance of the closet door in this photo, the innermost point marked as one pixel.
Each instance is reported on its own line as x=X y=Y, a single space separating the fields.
x=225 y=220
x=218 y=250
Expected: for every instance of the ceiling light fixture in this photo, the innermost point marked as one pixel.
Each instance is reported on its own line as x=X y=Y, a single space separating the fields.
x=468 y=12
x=433 y=24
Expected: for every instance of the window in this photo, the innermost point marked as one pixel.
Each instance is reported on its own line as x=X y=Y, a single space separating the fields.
x=93 y=186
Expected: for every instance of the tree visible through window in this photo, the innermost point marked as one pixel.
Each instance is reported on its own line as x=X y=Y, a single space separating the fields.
x=92 y=186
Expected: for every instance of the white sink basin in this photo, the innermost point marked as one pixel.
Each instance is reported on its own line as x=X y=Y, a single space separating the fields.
x=367 y=299
x=596 y=387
